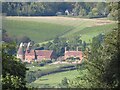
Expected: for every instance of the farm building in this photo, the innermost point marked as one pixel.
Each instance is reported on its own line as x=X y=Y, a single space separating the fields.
x=44 y=54
x=77 y=55
x=73 y=54
x=29 y=54
x=20 y=52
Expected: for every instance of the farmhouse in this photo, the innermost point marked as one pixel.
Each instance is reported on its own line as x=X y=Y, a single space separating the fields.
x=73 y=54
x=44 y=54
x=76 y=54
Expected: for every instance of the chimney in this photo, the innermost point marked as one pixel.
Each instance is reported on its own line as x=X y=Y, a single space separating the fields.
x=77 y=49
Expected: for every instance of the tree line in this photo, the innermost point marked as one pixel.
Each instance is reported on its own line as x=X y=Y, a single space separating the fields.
x=80 y=9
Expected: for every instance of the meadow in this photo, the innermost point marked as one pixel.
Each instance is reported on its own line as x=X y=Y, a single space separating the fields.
x=37 y=32
x=49 y=71
x=41 y=29
x=53 y=80
x=89 y=32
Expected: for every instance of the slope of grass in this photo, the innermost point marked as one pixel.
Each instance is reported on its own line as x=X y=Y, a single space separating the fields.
x=42 y=29
x=54 y=79
x=89 y=32
x=38 y=71
x=37 y=31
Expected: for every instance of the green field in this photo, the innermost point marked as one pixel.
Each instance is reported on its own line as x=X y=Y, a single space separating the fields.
x=54 y=79
x=37 y=31
x=41 y=29
x=89 y=32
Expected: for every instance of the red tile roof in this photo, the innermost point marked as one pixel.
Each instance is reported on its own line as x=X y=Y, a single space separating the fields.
x=73 y=54
x=30 y=52
x=44 y=53
x=76 y=53
x=29 y=55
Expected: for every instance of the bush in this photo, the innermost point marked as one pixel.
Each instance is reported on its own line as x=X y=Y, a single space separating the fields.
x=48 y=61
x=42 y=63
x=35 y=64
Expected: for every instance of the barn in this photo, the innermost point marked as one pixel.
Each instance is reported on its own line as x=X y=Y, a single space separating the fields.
x=30 y=55
x=27 y=54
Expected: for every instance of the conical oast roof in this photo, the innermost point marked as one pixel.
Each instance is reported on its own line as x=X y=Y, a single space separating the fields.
x=20 y=50
x=28 y=46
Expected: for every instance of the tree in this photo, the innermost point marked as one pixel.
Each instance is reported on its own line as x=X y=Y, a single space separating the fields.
x=6 y=37
x=102 y=64
x=101 y=8
x=23 y=39
x=13 y=71
x=84 y=45
x=95 y=12
x=82 y=12
x=64 y=83
x=111 y=48
x=76 y=9
x=113 y=10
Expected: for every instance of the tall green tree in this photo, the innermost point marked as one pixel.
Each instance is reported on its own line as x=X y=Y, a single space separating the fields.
x=113 y=10
x=13 y=71
x=101 y=65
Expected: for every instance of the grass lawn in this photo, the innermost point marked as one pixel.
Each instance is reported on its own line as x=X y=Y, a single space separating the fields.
x=54 y=79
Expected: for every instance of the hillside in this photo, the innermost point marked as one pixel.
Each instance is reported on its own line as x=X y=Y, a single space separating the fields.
x=37 y=31
x=41 y=29
x=89 y=32
x=53 y=80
